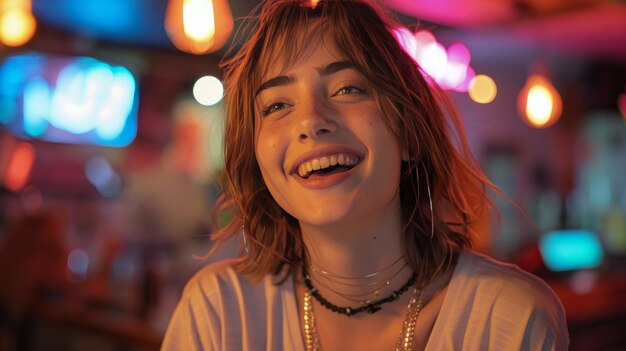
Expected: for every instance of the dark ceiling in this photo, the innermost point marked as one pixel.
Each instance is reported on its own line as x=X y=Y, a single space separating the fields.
x=595 y=28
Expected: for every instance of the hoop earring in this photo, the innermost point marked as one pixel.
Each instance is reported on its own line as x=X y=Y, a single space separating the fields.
x=430 y=203
x=245 y=240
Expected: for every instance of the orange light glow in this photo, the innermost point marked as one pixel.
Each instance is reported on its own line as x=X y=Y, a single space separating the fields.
x=17 y=24
x=482 y=89
x=539 y=103
x=19 y=166
x=198 y=26
x=199 y=20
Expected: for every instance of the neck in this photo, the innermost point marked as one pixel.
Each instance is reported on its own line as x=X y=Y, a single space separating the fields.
x=357 y=248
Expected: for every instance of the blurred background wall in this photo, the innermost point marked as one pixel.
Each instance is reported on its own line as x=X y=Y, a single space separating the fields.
x=110 y=144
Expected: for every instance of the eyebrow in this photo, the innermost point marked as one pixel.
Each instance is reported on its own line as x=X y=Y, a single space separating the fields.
x=334 y=67
x=323 y=71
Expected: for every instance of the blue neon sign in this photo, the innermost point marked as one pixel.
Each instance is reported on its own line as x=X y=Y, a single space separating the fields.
x=77 y=100
x=568 y=250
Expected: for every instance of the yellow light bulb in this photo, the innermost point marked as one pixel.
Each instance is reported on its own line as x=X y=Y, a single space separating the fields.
x=16 y=27
x=539 y=103
x=198 y=26
x=199 y=20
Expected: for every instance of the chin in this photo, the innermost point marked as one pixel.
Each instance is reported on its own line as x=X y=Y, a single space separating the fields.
x=322 y=217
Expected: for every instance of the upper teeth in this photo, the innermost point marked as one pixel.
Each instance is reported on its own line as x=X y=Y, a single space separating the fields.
x=326 y=161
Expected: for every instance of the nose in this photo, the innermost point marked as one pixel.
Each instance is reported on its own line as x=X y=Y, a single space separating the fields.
x=316 y=121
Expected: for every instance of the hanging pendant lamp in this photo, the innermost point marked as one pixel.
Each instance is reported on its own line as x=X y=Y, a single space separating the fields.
x=198 y=26
x=539 y=103
x=17 y=23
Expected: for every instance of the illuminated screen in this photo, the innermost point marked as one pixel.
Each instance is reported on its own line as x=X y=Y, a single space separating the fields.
x=78 y=100
x=567 y=250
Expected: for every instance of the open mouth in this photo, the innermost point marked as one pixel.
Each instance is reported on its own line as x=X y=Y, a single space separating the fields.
x=327 y=165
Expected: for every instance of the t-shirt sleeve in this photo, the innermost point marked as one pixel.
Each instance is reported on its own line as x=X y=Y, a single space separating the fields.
x=195 y=324
x=525 y=314
x=535 y=321
x=495 y=306
x=546 y=326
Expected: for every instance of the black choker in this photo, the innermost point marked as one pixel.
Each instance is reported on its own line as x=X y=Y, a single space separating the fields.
x=369 y=308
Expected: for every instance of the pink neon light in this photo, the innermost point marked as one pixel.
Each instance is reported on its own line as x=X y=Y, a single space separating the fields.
x=405 y=38
x=459 y=53
x=449 y=67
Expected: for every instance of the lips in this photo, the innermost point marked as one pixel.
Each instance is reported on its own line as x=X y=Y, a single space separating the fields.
x=328 y=164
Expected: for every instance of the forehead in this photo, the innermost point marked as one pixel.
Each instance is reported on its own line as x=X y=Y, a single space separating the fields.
x=289 y=49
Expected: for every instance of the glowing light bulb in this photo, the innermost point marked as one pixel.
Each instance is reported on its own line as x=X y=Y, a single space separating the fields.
x=199 y=20
x=17 y=27
x=539 y=103
x=198 y=26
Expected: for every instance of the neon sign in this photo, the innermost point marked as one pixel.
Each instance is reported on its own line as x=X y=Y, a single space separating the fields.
x=566 y=250
x=78 y=100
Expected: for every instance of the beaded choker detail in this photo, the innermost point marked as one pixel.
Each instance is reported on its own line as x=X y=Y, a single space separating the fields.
x=369 y=308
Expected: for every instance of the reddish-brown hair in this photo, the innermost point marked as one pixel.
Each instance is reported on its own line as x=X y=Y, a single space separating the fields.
x=440 y=162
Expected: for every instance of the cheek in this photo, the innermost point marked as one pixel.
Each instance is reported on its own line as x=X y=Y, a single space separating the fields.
x=271 y=173
x=269 y=156
x=265 y=149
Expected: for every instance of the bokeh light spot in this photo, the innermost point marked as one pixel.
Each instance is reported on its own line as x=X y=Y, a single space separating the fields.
x=482 y=89
x=208 y=90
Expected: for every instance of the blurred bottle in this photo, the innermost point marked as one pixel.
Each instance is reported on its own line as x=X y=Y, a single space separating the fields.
x=614 y=225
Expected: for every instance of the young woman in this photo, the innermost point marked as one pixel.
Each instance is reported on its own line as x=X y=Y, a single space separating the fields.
x=357 y=198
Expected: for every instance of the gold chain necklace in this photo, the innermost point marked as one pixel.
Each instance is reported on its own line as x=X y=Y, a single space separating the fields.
x=405 y=340
x=314 y=268
x=360 y=298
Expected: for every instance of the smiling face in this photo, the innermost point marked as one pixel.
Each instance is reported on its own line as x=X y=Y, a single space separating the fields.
x=324 y=150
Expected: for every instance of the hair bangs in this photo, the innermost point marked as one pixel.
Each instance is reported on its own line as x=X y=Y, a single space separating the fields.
x=287 y=33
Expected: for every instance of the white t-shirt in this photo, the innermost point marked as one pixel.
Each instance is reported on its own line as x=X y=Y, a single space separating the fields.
x=489 y=305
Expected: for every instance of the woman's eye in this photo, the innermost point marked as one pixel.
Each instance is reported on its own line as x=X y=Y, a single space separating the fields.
x=349 y=90
x=273 y=108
